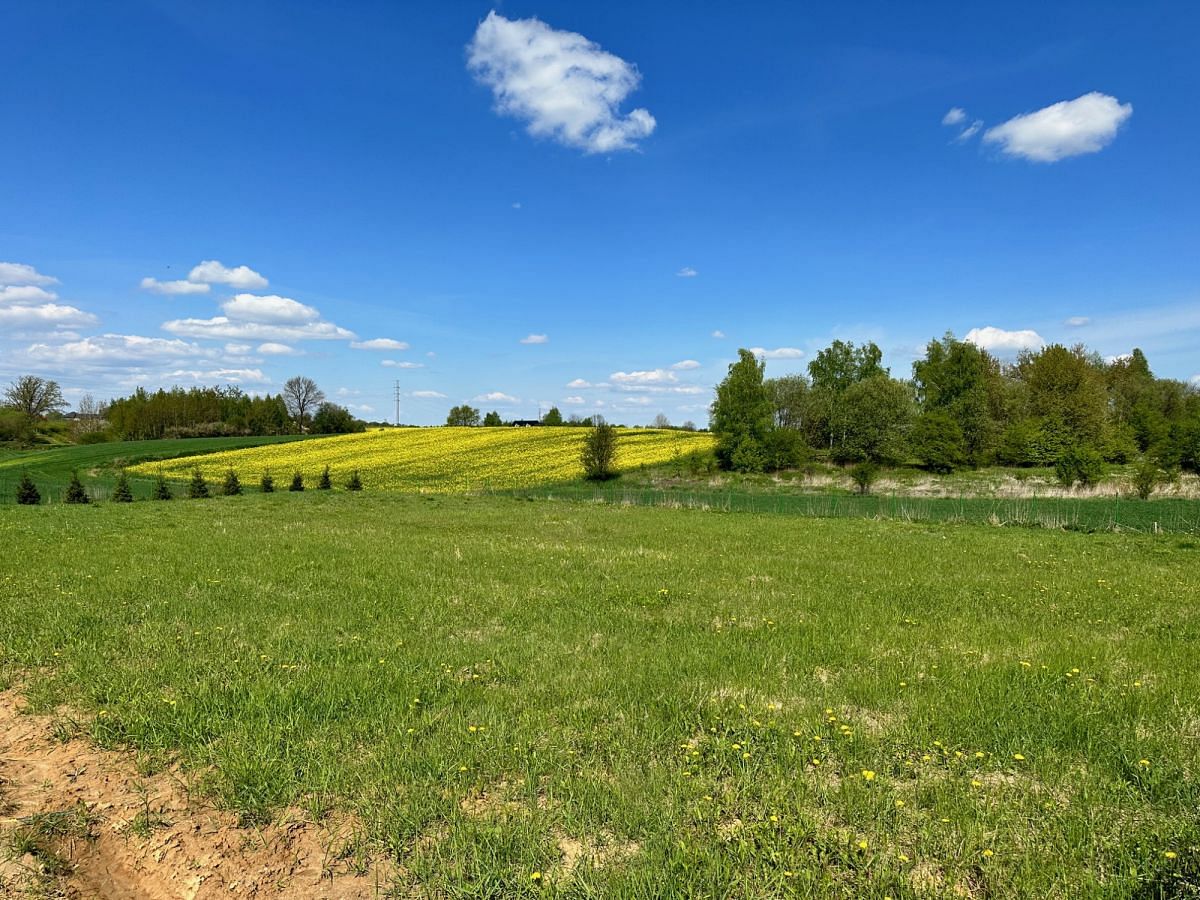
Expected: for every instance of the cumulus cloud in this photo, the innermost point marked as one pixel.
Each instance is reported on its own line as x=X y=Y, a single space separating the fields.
x=224 y=328
x=777 y=353
x=117 y=350
x=379 y=344
x=20 y=315
x=212 y=271
x=1077 y=321
x=649 y=376
x=579 y=383
x=686 y=272
x=174 y=287
x=25 y=293
x=238 y=349
x=956 y=116
x=574 y=400
x=428 y=395
x=269 y=309
x=20 y=273
x=562 y=85
x=233 y=376
x=1086 y=124
x=1000 y=341
x=495 y=397
x=401 y=364
x=272 y=348
x=684 y=365
x=535 y=339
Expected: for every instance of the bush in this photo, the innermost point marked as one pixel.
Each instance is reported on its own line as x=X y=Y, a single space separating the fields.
x=232 y=485
x=197 y=487
x=297 y=482
x=599 y=454
x=121 y=492
x=266 y=484
x=1079 y=464
x=355 y=483
x=1146 y=477
x=162 y=490
x=937 y=440
x=863 y=475
x=75 y=492
x=16 y=427
x=95 y=437
x=784 y=448
x=27 y=492
x=325 y=482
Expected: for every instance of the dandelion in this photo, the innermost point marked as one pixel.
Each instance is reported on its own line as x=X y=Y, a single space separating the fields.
x=899 y=804
x=868 y=775
x=862 y=845
x=988 y=854
x=902 y=857
x=1144 y=763
x=1018 y=757
x=1170 y=854
x=535 y=876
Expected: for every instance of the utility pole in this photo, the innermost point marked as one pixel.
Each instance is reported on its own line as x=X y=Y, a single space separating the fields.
x=397 y=402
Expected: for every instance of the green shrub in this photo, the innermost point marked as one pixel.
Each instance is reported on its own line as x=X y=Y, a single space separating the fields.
x=162 y=490
x=1079 y=464
x=121 y=492
x=267 y=483
x=297 y=482
x=232 y=485
x=197 y=487
x=937 y=440
x=355 y=483
x=325 y=482
x=27 y=492
x=863 y=475
x=599 y=456
x=1146 y=477
x=75 y=491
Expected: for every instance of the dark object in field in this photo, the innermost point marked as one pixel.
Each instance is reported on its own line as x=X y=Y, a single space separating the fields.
x=121 y=492
x=599 y=454
x=267 y=484
x=297 y=483
x=162 y=490
x=355 y=483
x=231 y=486
x=75 y=492
x=27 y=492
x=326 y=482
x=197 y=487
x=863 y=475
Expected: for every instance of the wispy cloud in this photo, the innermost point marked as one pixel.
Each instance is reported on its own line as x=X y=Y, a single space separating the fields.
x=171 y=288
x=777 y=353
x=562 y=85
x=535 y=339
x=684 y=364
x=379 y=344
x=686 y=272
x=427 y=395
x=1077 y=321
x=495 y=397
x=718 y=334
x=401 y=364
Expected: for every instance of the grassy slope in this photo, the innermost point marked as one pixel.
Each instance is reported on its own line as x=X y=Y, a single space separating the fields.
x=643 y=675
x=97 y=464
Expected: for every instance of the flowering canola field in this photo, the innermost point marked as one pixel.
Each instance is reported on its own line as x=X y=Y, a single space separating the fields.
x=436 y=460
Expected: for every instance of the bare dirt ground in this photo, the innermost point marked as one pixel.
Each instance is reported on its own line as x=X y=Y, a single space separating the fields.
x=80 y=822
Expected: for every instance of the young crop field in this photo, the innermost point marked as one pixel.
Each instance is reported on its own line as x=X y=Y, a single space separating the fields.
x=550 y=699
x=440 y=460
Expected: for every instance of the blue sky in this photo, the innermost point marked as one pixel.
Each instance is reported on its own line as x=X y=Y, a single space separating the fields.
x=614 y=184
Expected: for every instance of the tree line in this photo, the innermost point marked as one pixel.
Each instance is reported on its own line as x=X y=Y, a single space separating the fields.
x=961 y=406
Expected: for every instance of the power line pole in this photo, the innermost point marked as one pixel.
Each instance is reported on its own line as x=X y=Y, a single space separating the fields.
x=397 y=402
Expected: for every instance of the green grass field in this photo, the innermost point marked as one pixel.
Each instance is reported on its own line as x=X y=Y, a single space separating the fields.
x=98 y=464
x=721 y=705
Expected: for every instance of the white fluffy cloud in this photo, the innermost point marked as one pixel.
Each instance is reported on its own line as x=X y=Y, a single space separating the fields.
x=25 y=293
x=20 y=315
x=956 y=116
x=379 y=344
x=20 y=273
x=117 y=350
x=224 y=328
x=273 y=348
x=535 y=339
x=1000 y=341
x=213 y=272
x=574 y=400
x=561 y=84
x=233 y=376
x=495 y=397
x=777 y=353
x=428 y=395
x=1086 y=124
x=173 y=287
x=684 y=364
x=647 y=377
x=269 y=309
x=401 y=364
x=686 y=272
x=579 y=383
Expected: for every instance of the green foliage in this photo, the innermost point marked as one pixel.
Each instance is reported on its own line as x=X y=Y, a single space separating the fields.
x=877 y=412
x=34 y=397
x=964 y=382
x=355 y=482
x=231 y=486
x=325 y=482
x=463 y=416
x=196 y=412
x=121 y=492
x=162 y=489
x=75 y=491
x=1146 y=477
x=937 y=441
x=599 y=455
x=783 y=448
x=493 y=420
x=791 y=398
x=16 y=427
x=863 y=475
x=552 y=417
x=1065 y=394
x=266 y=484
x=27 y=492
x=297 y=483
x=197 y=487
x=331 y=418
x=1079 y=464
x=742 y=416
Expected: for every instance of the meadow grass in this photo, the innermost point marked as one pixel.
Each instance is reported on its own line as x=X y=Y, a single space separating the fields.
x=99 y=464
x=641 y=702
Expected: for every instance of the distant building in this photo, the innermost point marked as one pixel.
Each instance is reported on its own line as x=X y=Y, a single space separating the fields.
x=525 y=423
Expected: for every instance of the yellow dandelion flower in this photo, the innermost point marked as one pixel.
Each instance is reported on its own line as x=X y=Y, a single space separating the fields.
x=862 y=845
x=1170 y=854
x=988 y=854
x=868 y=775
x=1018 y=757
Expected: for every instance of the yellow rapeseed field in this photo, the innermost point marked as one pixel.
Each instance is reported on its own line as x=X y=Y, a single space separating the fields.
x=435 y=460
